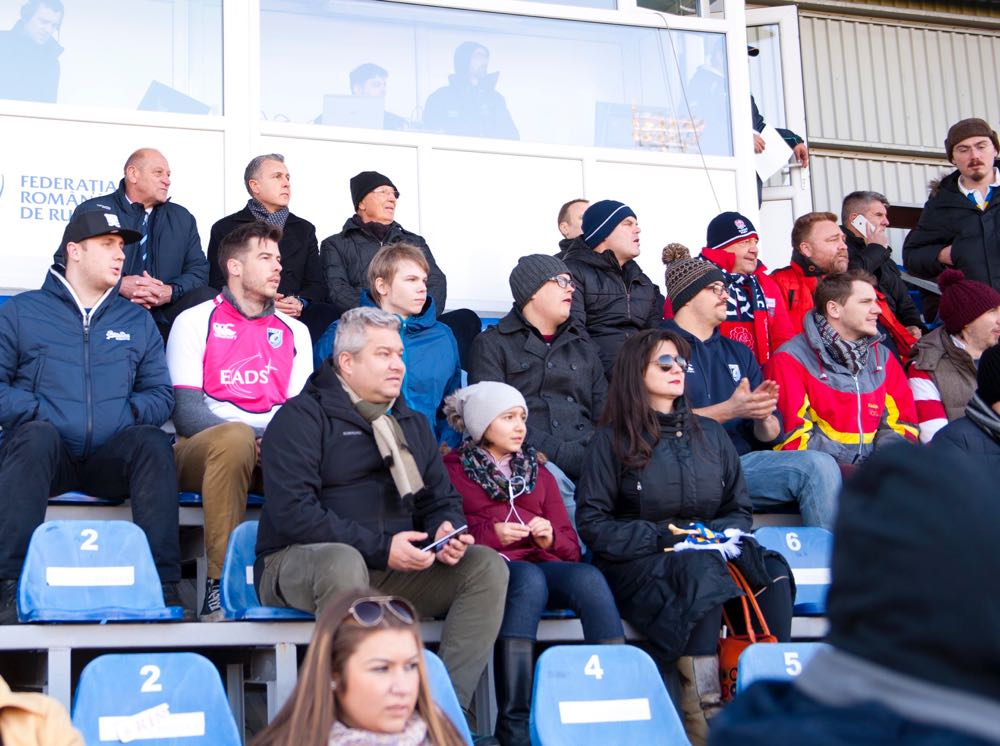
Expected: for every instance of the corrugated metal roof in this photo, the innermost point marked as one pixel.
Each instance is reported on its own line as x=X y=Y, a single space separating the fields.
x=986 y=8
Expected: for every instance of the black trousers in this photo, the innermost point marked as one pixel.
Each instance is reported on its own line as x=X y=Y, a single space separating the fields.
x=137 y=463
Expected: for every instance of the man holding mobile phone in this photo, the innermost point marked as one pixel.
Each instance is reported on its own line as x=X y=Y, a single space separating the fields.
x=356 y=486
x=865 y=218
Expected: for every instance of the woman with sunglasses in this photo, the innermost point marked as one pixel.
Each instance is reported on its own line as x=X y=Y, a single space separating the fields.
x=653 y=464
x=363 y=681
x=516 y=508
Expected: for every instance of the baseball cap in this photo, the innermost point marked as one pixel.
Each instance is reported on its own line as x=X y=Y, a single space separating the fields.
x=84 y=225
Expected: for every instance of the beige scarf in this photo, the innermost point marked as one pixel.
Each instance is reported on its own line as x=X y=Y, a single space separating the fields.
x=391 y=442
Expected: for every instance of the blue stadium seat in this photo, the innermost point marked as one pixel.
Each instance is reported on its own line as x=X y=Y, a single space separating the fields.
x=780 y=661
x=238 y=596
x=155 y=699
x=80 y=498
x=601 y=694
x=194 y=500
x=444 y=694
x=91 y=571
x=807 y=550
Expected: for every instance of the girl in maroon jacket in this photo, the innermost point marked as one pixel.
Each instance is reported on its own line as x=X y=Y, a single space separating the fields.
x=513 y=505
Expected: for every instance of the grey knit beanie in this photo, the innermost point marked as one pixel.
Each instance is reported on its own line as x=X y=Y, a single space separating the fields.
x=531 y=273
x=472 y=409
x=686 y=277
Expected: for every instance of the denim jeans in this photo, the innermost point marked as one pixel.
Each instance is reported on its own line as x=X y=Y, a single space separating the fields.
x=809 y=478
x=559 y=585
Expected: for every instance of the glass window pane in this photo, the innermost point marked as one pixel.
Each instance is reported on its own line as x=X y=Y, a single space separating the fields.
x=681 y=7
x=609 y=4
x=766 y=83
x=421 y=68
x=154 y=55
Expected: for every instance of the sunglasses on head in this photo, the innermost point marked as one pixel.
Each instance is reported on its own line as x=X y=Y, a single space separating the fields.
x=371 y=610
x=668 y=361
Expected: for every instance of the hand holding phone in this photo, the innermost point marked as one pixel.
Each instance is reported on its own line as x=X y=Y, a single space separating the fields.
x=438 y=544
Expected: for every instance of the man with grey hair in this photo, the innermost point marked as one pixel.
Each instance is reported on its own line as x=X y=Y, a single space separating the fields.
x=356 y=485
x=865 y=219
x=302 y=292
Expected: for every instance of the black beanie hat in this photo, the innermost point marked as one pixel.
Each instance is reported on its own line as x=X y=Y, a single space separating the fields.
x=988 y=376
x=366 y=182
x=601 y=218
x=531 y=273
x=727 y=229
x=914 y=573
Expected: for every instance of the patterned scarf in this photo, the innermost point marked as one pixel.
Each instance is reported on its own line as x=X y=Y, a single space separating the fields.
x=984 y=417
x=479 y=467
x=271 y=218
x=747 y=317
x=852 y=355
x=414 y=734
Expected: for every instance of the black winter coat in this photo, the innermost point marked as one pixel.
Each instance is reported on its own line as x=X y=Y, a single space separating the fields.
x=877 y=260
x=562 y=383
x=970 y=438
x=346 y=256
x=623 y=515
x=301 y=268
x=326 y=482
x=173 y=248
x=949 y=217
x=611 y=302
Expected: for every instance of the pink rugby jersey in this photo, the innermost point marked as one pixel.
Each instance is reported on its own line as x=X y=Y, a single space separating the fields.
x=246 y=368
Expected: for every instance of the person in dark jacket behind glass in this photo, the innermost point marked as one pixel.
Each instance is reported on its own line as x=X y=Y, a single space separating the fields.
x=653 y=467
x=302 y=292
x=84 y=390
x=915 y=655
x=29 y=53
x=614 y=297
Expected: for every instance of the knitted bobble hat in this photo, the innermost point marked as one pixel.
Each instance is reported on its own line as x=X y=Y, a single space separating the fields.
x=472 y=409
x=686 y=277
x=963 y=301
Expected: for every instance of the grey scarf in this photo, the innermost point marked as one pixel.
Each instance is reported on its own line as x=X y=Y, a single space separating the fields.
x=852 y=355
x=984 y=417
x=271 y=218
x=391 y=442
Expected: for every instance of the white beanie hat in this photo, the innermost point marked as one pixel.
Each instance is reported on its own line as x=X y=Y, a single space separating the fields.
x=473 y=408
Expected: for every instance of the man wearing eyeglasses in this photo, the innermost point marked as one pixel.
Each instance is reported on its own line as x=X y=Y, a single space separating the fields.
x=959 y=223
x=545 y=354
x=725 y=382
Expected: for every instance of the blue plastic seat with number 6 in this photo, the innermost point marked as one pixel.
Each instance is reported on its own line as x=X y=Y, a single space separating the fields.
x=808 y=550
x=601 y=694
x=91 y=571
x=154 y=699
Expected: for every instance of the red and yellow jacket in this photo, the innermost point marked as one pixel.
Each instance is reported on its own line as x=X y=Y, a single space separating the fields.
x=826 y=408
x=798 y=283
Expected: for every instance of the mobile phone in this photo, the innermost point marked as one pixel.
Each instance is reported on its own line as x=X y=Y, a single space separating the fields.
x=861 y=224
x=434 y=546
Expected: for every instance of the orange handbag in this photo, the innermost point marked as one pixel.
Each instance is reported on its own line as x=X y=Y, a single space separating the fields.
x=733 y=644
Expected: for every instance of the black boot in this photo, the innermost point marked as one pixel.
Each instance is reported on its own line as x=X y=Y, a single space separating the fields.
x=514 y=662
x=8 y=602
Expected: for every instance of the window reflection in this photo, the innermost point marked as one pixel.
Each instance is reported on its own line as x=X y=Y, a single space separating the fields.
x=387 y=65
x=156 y=55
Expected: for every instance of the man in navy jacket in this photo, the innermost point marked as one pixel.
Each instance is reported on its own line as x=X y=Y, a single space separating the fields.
x=165 y=268
x=724 y=382
x=84 y=390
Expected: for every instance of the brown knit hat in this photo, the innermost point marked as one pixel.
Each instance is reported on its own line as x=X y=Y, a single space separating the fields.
x=686 y=277
x=963 y=301
x=969 y=128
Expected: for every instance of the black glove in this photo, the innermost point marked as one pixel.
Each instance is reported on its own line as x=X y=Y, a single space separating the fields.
x=668 y=539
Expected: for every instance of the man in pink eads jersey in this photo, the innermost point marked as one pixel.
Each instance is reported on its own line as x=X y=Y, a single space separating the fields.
x=233 y=360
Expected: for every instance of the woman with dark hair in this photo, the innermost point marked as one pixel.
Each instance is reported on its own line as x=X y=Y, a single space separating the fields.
x=363 y=681
x=655 y=464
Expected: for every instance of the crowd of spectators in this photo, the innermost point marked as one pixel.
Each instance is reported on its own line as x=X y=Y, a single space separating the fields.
x=602 y=419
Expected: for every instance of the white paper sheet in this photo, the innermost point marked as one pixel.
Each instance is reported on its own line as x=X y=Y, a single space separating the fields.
x=776 y=153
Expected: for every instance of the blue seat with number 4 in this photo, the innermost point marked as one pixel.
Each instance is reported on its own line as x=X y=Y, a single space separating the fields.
x=601 y=694
x=774 y=661
x=91 y=571
x=236 y=589
x=807 y=549
x=153 y=698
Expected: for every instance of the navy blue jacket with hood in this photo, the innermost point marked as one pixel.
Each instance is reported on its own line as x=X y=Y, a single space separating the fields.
x=90 y=374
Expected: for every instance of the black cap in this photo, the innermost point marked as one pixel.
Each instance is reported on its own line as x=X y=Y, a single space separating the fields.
x=84 y=225
x=368 y=181
x=752 y=51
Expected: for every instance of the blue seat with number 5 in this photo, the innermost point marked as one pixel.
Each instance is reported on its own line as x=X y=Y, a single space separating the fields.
x=91 y=571
x=774 y=662
x=237 y=593
x=807 y=549
x=601 y=694
x=155 y=699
